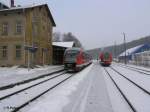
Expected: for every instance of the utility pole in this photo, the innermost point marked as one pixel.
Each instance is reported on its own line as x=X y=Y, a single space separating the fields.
x=115 y=55
x=125 y=59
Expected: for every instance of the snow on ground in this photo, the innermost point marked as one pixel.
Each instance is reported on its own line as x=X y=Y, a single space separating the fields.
x=84 y=92
x=139 y=78
x=136 y=66
x=137 y=97
x=14 y=74
x=58 y=98
x=91 y=95
x=28 y=94
x=20 y=87
x=117 y=100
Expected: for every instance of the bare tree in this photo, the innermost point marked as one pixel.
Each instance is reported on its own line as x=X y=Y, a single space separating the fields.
x=70 y=37
x=56 y=37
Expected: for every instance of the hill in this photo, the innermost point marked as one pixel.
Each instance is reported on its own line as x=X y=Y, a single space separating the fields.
x=118 y=49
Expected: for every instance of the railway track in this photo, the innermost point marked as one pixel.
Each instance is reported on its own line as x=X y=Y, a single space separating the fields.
x=28 y=80
x=146 y=72
x=28 y=94
x=131 y=81
x=5 y=96
x=144 y=92
x=124 y=96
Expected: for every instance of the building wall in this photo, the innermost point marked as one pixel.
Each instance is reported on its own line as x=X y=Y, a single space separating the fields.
x=12 y=38
x=142 y=58
x=36 y=31
x=39 y=34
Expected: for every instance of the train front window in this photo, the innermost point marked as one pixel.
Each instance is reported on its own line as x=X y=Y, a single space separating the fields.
x=71 y=54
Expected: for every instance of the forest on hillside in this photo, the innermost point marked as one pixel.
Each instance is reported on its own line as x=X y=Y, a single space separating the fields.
x=118 y=49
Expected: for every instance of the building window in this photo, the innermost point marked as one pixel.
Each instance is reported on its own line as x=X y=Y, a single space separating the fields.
x=18 y=51
x=18 y=28
x=4 y=51
x=5 y=29
x=35 y=29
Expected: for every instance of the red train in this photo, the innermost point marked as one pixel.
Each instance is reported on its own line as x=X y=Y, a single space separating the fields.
x=76 y=59
x=105 y=58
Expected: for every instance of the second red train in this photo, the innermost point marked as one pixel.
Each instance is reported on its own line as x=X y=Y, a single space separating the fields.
x=105 y=58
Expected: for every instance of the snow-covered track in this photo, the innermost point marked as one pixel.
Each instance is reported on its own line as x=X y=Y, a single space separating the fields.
x=146 y=72
x=124 y=96
x=28 y=80
x=131 y=81
x=32 y=95
x=135 y=92
x=31 y=86
x=36 y=97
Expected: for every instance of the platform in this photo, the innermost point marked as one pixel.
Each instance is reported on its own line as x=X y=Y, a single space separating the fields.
x=91 y=95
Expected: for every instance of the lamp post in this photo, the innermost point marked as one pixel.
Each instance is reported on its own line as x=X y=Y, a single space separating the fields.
x=30 y=49
x=124 y=35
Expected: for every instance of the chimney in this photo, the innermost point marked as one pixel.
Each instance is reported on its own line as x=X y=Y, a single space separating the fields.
x=12 y=3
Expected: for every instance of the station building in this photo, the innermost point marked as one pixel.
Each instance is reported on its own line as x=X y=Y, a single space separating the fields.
x=26 y=35
x=142 y=58
x=130 y=53
x=58 y=51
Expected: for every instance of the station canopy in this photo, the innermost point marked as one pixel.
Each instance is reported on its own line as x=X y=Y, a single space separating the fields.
x=64 y=44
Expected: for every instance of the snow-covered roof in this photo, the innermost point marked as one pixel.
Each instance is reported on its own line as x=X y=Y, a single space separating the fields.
x=23 y=7
x=131 y=50
x=29 y=7
x=64 y=44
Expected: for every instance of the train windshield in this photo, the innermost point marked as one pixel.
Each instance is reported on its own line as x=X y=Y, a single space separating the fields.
x=71 y=54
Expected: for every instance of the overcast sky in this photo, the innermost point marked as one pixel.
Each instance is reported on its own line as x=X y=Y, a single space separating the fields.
x=98 y=23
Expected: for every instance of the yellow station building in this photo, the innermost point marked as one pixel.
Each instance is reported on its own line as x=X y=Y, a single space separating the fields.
x=26 y=35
